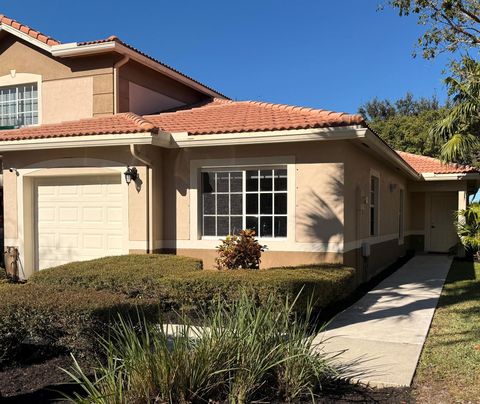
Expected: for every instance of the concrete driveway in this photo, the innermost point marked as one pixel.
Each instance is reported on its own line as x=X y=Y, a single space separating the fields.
x=381 y=336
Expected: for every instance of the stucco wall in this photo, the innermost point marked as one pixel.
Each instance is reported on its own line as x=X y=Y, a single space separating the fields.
x=71 y=162
x=147 y=82
x=72 y=88
x=318 y=193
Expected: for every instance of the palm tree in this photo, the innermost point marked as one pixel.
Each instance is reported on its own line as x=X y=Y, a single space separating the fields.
x=468 y=228
x=459 y=131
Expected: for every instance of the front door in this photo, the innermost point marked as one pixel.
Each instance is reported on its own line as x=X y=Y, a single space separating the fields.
x=442 y=219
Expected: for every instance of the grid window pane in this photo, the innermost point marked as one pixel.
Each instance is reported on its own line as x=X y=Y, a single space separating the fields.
x=266 y=204
x=223 y=227
x=19 y=105
x=252 y=180
x=252 y=204
x=236 y=204
x=236 y=181
x=222 y=182
x=266 y=226
x=249 y=199
x=265 y=180
x=252 y=223
x=280 y=204
x=280 y=180
x=222 y=204
x=209 y=226
x=280 y=226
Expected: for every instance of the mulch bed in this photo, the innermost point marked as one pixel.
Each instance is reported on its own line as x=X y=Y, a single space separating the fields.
x=36 y=383
x=44 y=382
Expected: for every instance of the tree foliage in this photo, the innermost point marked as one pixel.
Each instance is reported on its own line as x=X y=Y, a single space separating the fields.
x=459 y=130
x=452 y=25
x=468 y=228
x=405 y=123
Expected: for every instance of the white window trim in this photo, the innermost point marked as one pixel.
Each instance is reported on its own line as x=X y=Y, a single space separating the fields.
x=196 y=166
x=18 y=79
x=244 y=193
x=374 y=173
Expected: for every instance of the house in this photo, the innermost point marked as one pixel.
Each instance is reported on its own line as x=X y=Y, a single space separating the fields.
x=114 y=152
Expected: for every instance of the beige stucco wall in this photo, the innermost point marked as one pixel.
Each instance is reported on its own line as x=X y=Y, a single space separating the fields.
x=152 y=81
x=72 y=88
x=318 y=178
x=70 y=162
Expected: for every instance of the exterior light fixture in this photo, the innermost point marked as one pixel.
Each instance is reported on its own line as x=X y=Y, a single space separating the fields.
x=130 y=175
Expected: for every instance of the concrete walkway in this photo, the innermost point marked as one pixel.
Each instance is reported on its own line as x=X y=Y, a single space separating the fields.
x=380 y=337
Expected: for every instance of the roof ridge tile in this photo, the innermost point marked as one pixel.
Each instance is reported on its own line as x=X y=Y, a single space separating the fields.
x=140 y=121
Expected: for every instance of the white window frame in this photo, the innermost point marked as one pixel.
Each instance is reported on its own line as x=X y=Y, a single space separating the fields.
x=376 y=232
x=15 y=79
x=237 y=164
x=33 y=101
x=244 y=194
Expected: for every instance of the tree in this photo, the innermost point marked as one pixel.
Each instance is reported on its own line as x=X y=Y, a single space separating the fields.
x=405 y=123
x=452 y=25
x=460 y=128
x=468 y=228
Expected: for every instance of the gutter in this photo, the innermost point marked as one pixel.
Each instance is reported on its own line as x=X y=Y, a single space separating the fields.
x=149 y=208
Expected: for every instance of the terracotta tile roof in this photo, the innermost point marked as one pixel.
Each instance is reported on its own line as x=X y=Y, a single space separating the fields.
x=424 y=164
x=29 y=31
x=113 y=124
x=217 y=116
x=225 y=116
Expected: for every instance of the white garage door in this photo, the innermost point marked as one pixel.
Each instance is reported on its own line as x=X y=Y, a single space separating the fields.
x=78 y=219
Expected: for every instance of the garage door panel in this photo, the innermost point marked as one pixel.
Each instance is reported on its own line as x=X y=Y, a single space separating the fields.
x=79 y=219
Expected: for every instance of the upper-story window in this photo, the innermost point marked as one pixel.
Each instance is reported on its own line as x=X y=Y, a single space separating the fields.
x=19 y=105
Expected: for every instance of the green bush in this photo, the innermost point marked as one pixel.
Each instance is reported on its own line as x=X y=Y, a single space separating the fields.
x=245 y=353
x=66 y=320
x=65 y=307
x=178 y=281
x=129 y=274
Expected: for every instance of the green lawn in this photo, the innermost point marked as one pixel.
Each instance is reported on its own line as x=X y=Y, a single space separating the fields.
x=449 y=368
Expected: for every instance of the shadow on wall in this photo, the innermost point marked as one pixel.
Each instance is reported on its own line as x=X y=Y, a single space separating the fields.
x=319 y=216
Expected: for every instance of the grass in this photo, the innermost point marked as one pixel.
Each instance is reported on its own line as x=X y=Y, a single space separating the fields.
x=449 y=367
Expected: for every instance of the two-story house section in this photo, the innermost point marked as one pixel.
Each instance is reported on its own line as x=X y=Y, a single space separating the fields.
x=44 y=81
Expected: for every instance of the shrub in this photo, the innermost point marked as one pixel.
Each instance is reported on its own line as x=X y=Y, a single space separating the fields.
x=240 y=251
x=177 y=282
x=134 y=275
x=63 y=320
x=246 y=352
x=65 y=307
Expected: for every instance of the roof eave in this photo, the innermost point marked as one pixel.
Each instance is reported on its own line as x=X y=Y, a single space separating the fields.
x=450 y=176
x=74 y=50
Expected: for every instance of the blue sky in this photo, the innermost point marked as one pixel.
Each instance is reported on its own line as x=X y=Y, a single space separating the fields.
x=318 y=53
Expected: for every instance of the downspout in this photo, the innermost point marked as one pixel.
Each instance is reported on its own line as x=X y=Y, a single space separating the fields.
x=149 y=233
x=116 y=82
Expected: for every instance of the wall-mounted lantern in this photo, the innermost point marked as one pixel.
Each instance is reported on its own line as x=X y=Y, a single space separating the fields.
x=130 y=175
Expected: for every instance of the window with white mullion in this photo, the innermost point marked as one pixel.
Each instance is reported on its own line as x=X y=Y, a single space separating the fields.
x=19 y=105
x=245 y=199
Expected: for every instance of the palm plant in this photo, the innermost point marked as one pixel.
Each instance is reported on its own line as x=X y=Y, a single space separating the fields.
x=459 y=131
x=468 y=228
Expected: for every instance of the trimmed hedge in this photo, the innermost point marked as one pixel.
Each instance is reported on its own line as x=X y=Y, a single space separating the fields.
x=66 y=320
x=177 y=281
x=67 y=306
